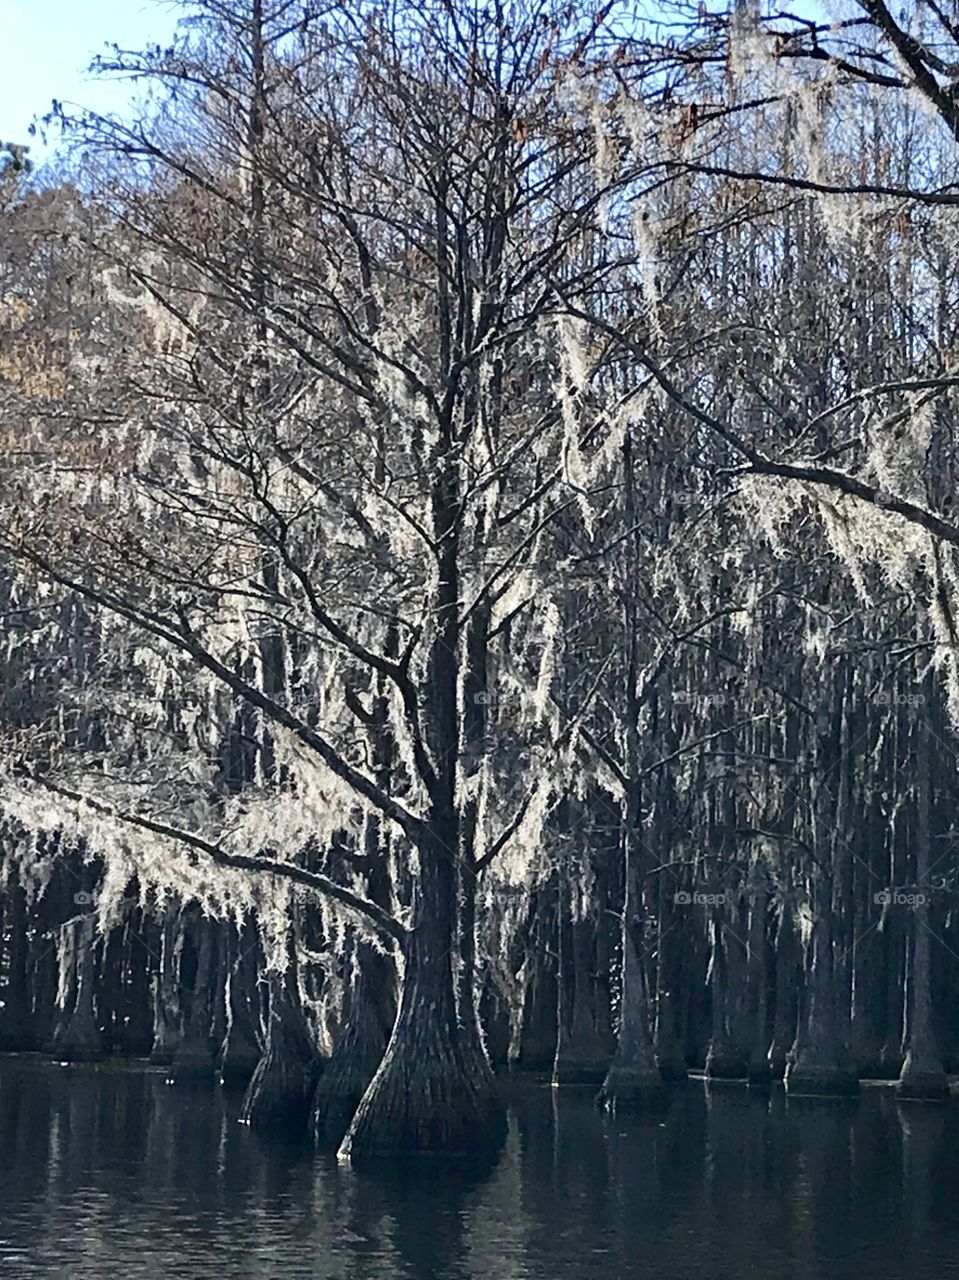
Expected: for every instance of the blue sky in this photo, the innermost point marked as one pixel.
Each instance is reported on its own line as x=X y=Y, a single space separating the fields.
x=46 y=44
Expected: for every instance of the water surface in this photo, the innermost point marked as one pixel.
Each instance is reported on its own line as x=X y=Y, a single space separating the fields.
x=106 y=1173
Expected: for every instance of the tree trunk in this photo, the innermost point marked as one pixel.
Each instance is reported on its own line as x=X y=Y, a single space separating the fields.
x=194 y=1055
x=371 y=995
x=922 y=1073
x=77 y=1037
x=785 y=1021
x=140 y=946
x=536 y=1037
x=820 y=1061
x=242 y=1045
x=16 y=1032
x=724 y=1060
x=359 y=1050
x=167 y=1017
x=633 y=1076
x=757 y=1066
x=431 y=1092
x=583 y=1045
x=668 y=1038
x=869 y=952
x=281 y=1089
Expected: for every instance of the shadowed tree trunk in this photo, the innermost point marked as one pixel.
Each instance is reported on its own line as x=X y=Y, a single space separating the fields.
x=757 y=1066
x=787 y=985
x=535 y=1047
x=868 y=958
x=77 y=1036
x=670 y=1054
x=724 y=1060
x=633 y=1076
x=430 y=1092
x=242 y=1045
x=892 y=1053
x=370 y=1007
x=281 y=1089
x=15 y=1022
x=475 y=727
x=167 y=1015
x=668 y=1037
x=922 y=1073
x=820 y=1062
x=44 y=967
x=369 y=1013
x=139 y=957
x=195 y=1053
x=371 y=991
x=583 y=1042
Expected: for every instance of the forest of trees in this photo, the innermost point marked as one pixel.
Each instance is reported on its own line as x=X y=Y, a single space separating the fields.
x=481 y=561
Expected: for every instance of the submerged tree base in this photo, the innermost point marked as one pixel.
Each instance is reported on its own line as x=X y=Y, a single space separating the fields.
x=165 y=1042
x=759 y=1074
x=16 y=1034
x=778 y=1062
x=192 y=1063
x=357 y=1053
x=570 y=1069
x=337 y=1097
x=76 y=1052
x=632 y=1087
x=725 y=1065
x=281 y=1089
x=867 y=1054
x=426 y=1102
x=79 y=1041
x=922 y=1081
x=933 y=1087
x=827 y=1081
x=671 y=1060
x=239 y=1059
x=891 y=1063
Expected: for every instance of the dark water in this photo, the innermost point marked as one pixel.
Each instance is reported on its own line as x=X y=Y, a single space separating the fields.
x=108 y=1173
